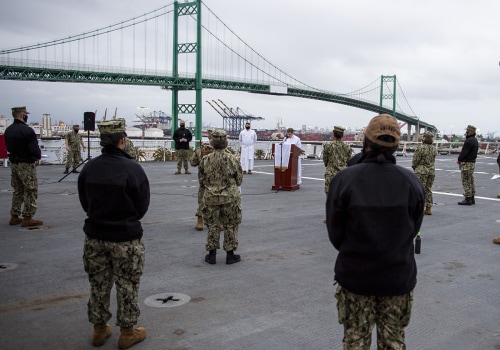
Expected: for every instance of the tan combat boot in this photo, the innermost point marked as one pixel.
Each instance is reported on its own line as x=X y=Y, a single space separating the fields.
x=178 y=171
x=14 y=220
x=29 y=222
x=496 y=240
x=428 y=211
x=187 y=172
x=199 y=224
x=130 y=336
x=101 y=333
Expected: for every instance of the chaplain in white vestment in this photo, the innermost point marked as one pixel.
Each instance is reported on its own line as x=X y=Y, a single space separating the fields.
x=248 y=139
x=291 y=139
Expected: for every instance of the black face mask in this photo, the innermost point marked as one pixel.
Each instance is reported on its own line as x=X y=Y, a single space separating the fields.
x=76 y=131
x=25 y=118
x=247 y=127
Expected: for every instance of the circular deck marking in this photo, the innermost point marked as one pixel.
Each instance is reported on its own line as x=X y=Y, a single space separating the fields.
x=167 y=300
x=7 y=266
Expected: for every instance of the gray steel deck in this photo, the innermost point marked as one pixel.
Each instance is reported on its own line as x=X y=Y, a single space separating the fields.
x=280 y=296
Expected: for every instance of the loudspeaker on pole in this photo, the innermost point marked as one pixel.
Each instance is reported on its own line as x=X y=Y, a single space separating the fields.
x=89 y=121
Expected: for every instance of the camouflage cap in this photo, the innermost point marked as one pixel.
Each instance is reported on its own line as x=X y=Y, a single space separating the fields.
x=428 y=134
x=471 y=128
x=338 y=128
x=123 y=120
x=76 y=126
x=219 y=134
x=20 y=109
x=111 y=127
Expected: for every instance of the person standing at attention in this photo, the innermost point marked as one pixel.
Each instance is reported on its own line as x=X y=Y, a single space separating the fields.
x=220 y=174
x=336 y=154
x=467 y=163
x=182 y=137
x=248 y=139
x=292 y=139
x=24 y=155
x=114 y=192
x=423 y=166
x=374 y=211
x=73 y=141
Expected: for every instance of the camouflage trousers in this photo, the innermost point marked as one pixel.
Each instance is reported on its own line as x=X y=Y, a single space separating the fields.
x=201 y=193
x=73 y=158
x=25 y=184
x=467 y=172
x=427 y=181
x=360 y=313
x=329 y=174
x=182 y=158
x=120 y=263
x=225 y=218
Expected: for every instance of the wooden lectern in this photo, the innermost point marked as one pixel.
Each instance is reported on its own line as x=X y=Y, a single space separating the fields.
x=285 y=175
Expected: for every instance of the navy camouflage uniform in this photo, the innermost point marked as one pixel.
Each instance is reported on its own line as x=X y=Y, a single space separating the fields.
x=24 y=153
x=336 y=154
x=114 y=248
x=423 y=164
x=467 y=162
x=74 y=155
x=220 y=174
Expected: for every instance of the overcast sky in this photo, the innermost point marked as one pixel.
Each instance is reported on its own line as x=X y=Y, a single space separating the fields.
x=445 y=54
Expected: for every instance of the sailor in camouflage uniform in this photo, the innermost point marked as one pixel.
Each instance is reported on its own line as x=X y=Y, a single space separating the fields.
x=467 y=163
x=74 y=145
x=114 y=192
x=220 y=174
x=423 y=165
x=24 y=154
x=336 y=154
x=200 y=152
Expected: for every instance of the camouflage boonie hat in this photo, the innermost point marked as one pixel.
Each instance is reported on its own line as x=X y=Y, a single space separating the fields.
x=219 y=134
x=20 y=109
x=111 y=127
x=471 y=128
x=428 y=134
x=338 y=128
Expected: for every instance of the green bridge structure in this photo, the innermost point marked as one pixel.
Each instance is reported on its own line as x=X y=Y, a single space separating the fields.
x=201 y=56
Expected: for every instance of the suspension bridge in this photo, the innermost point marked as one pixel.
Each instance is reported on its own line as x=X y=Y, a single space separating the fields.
x=185 y=47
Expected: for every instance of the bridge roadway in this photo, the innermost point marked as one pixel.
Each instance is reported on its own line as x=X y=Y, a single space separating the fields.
x=13 y=72
x=280 y=296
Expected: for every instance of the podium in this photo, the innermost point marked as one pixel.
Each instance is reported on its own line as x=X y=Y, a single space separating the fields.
x=285 y=167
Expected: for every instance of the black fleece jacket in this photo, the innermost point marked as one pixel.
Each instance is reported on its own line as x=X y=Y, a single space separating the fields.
x=114 y=192
x=373 y=213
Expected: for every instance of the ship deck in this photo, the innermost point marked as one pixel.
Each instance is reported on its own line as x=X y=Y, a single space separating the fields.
x=280 y=296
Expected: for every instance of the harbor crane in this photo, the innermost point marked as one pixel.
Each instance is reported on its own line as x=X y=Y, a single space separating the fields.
x=233 y=120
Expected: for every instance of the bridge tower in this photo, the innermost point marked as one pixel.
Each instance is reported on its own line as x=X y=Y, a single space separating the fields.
x=187 y=9
x=391 y=94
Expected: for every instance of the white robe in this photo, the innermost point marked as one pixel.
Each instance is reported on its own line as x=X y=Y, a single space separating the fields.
x=294 y=140
x=248 y=139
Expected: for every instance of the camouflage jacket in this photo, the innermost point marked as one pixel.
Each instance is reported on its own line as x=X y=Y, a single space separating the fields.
x=336 y=154
x=220 y=174
x=74 y=141
x=423 y=159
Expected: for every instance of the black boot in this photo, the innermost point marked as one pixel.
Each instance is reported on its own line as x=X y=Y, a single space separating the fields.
x=466 y=201
x=75 y=171
x=232 y=258
x=66 y=171
x=210 y=257
x=473 y=200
